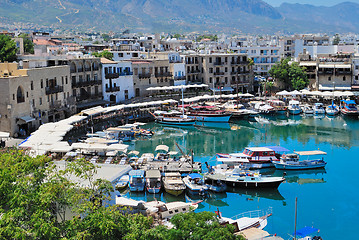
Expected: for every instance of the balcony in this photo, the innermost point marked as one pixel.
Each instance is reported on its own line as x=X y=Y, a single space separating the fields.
x=346 y=72
x=113 y=89
x=111 y=75
x=180 y=77
x=56 y=105
x=163 y=74
x=218 y=73
x=218 y=63
x=239 y=62
x=326 y=72
x=144 y=75
x=176 y=61
x=54 y=89
x=194 y=71
x=86 y=83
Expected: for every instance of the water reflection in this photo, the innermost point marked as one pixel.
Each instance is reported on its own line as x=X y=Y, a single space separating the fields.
x=252 y=194
x=301 y=177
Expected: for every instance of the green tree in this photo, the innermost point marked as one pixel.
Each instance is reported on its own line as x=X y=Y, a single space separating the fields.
x=104 y=54
x=106 y=37
x=28 y=44
x=336 y=39
x=203 y=225
x=280 y=72
x=8 y=49
x=298 y=76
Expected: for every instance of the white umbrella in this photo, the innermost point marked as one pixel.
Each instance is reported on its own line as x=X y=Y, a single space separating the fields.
x=282 y=93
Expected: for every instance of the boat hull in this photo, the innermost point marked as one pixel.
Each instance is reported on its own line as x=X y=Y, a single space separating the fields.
x=349 y=113
x=256 y=184
x=174 y=192
x=294 y=111
x=177 y=123
x=282 y=166
x=217 y=118
x=153 y=190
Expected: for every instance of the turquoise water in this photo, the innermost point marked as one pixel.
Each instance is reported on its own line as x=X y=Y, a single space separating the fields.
x=327 y=199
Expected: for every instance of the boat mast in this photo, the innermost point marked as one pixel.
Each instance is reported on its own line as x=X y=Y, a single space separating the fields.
x=295 y=219
x=182 y=104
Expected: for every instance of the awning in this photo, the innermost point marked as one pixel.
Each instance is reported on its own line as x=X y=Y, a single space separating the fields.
x=278 y=148
x=25 y=119
x=305 y=231
x=162 y=148
x=310 y=153
x=225 y=89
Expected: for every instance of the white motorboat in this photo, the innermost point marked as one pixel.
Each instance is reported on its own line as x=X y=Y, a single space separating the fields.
x=157 y=208
x=122 y=183
x=173 y=183
x=153 y=181
x=308 y=110
x=264 y=108
x=319 y=108
x=195 y=184
x=247 y=220
x=294 y=108
x=251 y=157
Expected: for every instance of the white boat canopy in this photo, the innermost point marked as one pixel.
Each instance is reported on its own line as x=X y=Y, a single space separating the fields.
x=162 y=148
x=310 y=153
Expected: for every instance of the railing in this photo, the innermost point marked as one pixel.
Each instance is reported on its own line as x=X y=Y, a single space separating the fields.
x=56 y=105
x=163 y=74
x=86 y=83
x=113 y=89
x=54 y=89
x=218 y=73
x=194 y=71
x=218 y=63
x=180 y=77
x=239 y=62
x=343 y=72
x=326 y=72
x=176 y=61
x=111 y=75
x=144 y=75
x=254 y=214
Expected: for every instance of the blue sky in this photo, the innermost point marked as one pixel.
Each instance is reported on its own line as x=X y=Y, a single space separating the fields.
x=276 y=3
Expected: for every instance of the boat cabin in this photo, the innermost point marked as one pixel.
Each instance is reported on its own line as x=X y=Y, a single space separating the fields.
x=256 y=152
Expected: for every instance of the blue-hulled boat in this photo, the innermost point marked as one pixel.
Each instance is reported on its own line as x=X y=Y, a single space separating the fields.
x=332 y=110
x=137 y=180
x=292 y=161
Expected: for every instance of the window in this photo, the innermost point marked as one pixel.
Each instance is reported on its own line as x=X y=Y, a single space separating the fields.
x=210 y=60
x=210 y=80
x=13 y=97
x=74 y=92
x=20 y=95
x=176 y=210
x=344 y=78
x=170 y=212
x=40 y=101
x=33 y=102
x=66 y=80
x=329 y=78
x=62 y=80
x=27 y=94
x=42 y=83
x=32 y=85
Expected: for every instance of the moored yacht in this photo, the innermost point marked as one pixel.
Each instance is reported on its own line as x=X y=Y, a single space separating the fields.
x=349 y=108
x=137 y=180
x=153 y=181
x=293 y=162
x=332 y=110
x=319 y=108
x=173 y=183
x=251 y=158
x=294 y=108
x=195 y=184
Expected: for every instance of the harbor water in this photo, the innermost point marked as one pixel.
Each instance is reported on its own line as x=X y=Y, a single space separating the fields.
x=327 y=199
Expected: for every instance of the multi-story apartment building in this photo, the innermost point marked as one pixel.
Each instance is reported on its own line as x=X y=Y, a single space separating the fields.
x=227 y=72
x=355 y=77
x=328 y=72
x=117 y=80
x=150 y=73
x=30 y=97
x=86 y=81
x=193 y=70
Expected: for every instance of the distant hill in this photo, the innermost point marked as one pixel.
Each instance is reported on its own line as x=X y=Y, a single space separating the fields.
x=234 y=16
x=343 y=16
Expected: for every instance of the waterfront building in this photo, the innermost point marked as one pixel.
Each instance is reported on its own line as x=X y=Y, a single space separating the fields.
x=117 y=80
x=86 y=82
x=30 y=97
x=355 y=77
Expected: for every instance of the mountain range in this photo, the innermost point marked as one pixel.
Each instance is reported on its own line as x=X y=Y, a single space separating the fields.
x=234 y=16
